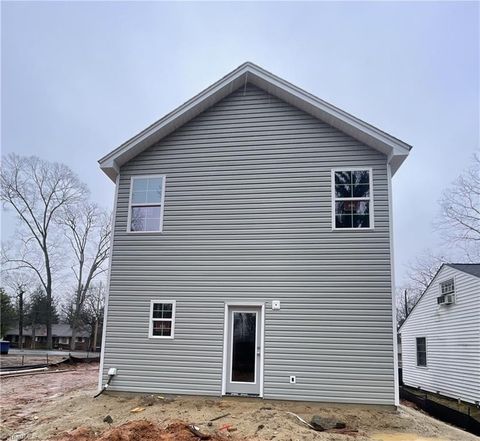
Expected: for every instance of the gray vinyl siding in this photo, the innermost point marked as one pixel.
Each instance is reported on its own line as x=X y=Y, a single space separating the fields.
x=248 y=217
x=453 y=339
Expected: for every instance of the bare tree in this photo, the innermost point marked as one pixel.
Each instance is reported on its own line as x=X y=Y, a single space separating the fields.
x=20 y=284
x=88 y=232
x=95 y=309
x=460 y=211
x=420 y=272
x=37 y=191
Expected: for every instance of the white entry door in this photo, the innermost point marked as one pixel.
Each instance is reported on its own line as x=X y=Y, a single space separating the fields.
x=243 y=351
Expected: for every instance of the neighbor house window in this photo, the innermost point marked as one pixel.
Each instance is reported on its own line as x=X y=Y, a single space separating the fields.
x=421 y=351
x=146 y=203
x=447 y=287
x=352 y=199
x=162 y=318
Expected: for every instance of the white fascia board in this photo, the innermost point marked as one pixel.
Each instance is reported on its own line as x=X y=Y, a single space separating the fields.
x=395 y=149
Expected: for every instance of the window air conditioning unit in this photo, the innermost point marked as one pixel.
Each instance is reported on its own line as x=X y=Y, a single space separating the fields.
x=446 y=299
x=449 y=299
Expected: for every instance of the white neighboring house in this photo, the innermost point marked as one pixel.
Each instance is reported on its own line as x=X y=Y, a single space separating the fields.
x=441 y=336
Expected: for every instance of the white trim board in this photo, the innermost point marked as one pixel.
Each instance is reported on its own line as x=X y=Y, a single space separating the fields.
x=151 y=319
x=395 y=149
x=107 y=293
x=371 y=206
x=225 y=342
x=162 y=203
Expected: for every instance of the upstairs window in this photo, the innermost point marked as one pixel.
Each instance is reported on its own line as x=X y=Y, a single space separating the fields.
x=162 y=319
x=352 y=199
x=447 y=287
x=146 y=203
x=421 y=351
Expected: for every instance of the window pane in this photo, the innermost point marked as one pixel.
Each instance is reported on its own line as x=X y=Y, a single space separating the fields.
x=343 y=177
x=152 y=212
x=162 y=328
x=360 y=177
x=140 y=184
x=343 y=207
x=422 y=359
x=361 y=191
x=354 y=207
x=147 y=190
x=343 y=191
x=145 y=219
x=162 y=310
x=137 y=222
x=152 y=224
x=343 y=221
x=360 y=207
x=360 y=221
x=421 y=344
x=244 y=351
x=139 y=197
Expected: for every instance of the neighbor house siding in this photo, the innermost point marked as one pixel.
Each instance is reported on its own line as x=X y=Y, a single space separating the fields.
x=453 y=339
x=248 y=217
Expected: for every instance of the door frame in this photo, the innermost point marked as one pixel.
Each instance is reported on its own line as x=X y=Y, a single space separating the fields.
x=226 y=343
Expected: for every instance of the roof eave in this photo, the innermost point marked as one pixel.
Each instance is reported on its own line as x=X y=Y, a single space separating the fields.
x=393 y=148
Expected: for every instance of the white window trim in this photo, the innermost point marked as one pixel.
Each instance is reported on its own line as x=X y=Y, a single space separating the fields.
x=370 y=199
x=151 y=319
x=162 y=202
x=426 y=353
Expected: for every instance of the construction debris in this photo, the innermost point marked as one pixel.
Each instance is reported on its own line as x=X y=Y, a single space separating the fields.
x=196 y=431
x=137 y=410
x=320 y=423
x=302 y=420
x=225 y=427
x=219 y=417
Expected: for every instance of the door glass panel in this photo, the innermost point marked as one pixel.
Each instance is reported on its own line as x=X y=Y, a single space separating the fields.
x=244 y=346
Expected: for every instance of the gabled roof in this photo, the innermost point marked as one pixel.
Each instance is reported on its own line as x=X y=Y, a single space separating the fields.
x=469 y=268
x=395 y=149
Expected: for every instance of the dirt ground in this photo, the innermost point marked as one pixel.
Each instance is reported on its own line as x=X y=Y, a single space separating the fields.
x=60 y=407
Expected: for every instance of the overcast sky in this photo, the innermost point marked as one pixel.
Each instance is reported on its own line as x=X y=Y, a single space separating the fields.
x=78 y=79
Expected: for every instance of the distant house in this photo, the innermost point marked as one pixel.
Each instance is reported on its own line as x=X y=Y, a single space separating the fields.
x=441 y=336
x=37 y=338
x=251 y=249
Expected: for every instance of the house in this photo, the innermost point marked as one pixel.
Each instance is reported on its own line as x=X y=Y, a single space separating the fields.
x=36 y=338
x=252 y=249
x=441 y=336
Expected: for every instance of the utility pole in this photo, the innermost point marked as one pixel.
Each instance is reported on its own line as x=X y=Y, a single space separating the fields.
x=20 y=293
x=406 y=305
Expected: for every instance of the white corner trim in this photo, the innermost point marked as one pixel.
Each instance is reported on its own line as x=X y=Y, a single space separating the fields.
x=225 y=345
x=162 y=203
x=396 y=383
x=107 y=294
x=151 y=319
x=262 y=351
